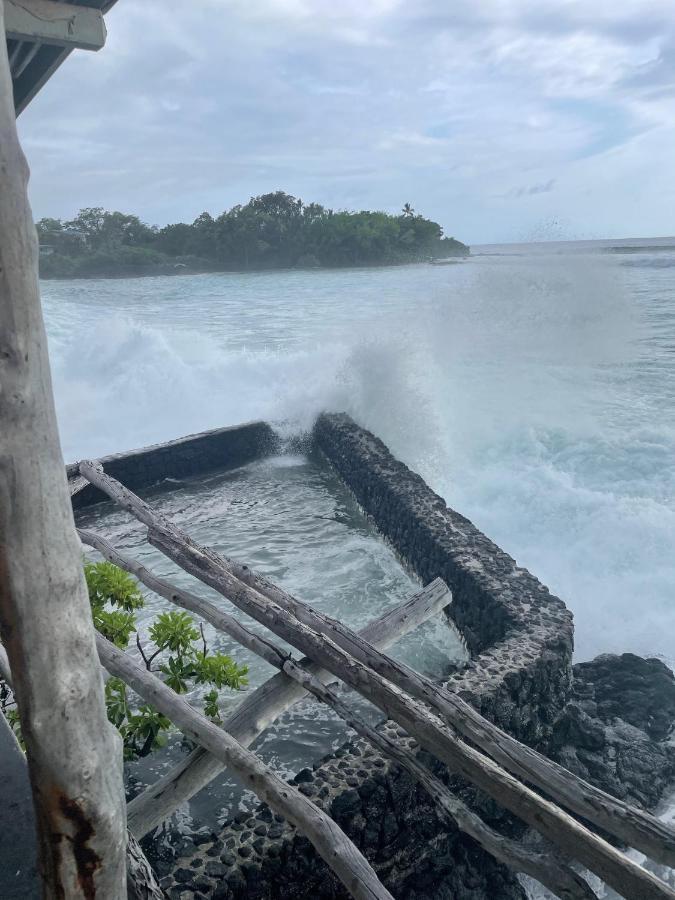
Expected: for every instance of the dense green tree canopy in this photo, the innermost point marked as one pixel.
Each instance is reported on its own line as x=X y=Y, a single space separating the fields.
x=271 y=231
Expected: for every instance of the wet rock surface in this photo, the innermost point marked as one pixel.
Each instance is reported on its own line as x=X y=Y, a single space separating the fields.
x=195 y=454
x=614 y=731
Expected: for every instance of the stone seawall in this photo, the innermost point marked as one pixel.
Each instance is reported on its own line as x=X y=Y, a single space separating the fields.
x=519 y=676
x=519 y=634
x=195 y=454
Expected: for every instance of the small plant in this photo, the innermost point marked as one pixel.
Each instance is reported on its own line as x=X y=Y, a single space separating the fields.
x=180 y=647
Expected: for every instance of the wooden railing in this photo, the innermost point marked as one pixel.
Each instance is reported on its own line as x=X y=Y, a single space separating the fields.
x=440 y=722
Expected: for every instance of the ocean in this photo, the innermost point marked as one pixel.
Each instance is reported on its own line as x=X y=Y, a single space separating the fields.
x=533 y=386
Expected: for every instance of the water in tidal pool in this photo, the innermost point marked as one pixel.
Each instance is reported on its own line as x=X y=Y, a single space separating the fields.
x=292 y=519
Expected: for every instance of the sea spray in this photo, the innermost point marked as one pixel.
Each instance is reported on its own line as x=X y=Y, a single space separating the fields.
x=535 y=392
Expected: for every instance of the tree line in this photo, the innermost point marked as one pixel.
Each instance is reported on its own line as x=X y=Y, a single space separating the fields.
x=271 y=231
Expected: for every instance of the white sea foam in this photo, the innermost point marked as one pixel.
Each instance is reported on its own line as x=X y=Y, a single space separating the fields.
x=534 y=392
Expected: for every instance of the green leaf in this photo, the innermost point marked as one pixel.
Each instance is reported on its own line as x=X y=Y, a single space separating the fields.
x=177 y=673
x=211 y=708
x=174 y=631
x=219 y=670
x=115 y=625
x=107 y=583
x=116 y=702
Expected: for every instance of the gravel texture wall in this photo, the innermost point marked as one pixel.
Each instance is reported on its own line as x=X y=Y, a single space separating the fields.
x=519 y=676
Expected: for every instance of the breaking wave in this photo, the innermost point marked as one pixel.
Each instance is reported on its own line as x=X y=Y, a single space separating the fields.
x=534 y=392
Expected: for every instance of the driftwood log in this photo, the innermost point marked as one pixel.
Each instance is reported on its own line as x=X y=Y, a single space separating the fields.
x=623 y=875
x=262 y=707
x=329 y=840
x=74 y=755
x=633 y=826
x=558 y=877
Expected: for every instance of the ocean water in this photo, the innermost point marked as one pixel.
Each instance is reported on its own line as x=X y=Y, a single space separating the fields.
x=533 y=386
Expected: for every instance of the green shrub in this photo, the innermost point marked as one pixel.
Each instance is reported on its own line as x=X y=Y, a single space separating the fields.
x=184 y=660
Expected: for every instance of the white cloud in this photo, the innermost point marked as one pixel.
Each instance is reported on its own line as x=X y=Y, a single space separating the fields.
x=461 y=109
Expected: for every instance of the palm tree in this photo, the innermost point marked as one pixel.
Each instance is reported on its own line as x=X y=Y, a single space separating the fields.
x=408 y=210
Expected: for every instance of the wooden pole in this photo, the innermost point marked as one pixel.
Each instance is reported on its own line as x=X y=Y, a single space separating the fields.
x=620 y=873
x=558 y=877
x=633 y=826
x=329 y=840
x=626 y=877
x=74 y=756
x=257 y=712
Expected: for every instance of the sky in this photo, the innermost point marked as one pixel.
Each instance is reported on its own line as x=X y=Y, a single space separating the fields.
x=504 y=120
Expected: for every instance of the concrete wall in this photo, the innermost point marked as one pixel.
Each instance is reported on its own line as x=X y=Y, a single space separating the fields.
x=519 y=676
x=192 y=455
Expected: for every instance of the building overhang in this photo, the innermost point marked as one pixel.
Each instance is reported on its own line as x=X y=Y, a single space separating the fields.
x=41 y=34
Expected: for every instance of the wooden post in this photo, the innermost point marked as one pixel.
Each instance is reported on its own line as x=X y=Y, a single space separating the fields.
x=557 y=876
x=316 y=640
x=74 y=756
x=330 y=842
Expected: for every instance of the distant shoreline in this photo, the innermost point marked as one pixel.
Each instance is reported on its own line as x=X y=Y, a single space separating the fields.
x=164 y=272
x=272 y=231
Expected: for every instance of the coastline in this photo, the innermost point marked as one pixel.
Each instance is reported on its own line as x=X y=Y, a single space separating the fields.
x=164 y=271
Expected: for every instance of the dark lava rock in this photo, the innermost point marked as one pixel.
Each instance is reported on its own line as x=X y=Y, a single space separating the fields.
x=183 y=876
x=216 y=869
x=639 y=691
x=346 y=804
x=202 y=837
x=613 y=731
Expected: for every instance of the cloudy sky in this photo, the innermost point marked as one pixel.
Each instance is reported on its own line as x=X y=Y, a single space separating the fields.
x=501 y=119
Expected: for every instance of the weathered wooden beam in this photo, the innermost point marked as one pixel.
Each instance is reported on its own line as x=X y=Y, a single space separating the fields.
x=622 y=874
x=58 y=24
x=626 y=877
x=262 y=707
x=142 y=882
x=329 y=840
x=74 y=755
x=544 y=867
x=633 y=826
x=547 y=870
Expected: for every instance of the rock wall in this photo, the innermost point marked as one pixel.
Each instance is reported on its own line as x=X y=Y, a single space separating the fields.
x=520 y=635
x=519 y=676
x=192 y=455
